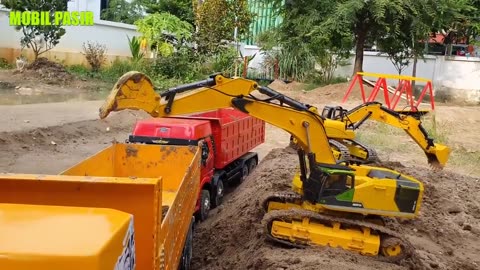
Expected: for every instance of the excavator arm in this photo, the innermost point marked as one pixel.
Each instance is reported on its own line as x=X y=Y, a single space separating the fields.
x=325 y=192
x=135 y=91
x=436 y=153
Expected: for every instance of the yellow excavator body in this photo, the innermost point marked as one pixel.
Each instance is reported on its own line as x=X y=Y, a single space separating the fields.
x=333 y=203
x=129 y=206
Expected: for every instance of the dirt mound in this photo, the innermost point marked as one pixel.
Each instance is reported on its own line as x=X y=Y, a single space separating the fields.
x=280 y=85
x=336 y=92
x=48 y=71
x=52 y=149
x=445 y=235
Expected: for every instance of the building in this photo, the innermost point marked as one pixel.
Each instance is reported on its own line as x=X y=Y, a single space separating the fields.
x=68 y=51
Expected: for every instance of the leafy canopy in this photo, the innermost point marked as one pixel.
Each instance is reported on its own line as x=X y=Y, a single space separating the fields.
x=122 y=11
x=164 y=30
x=343 y=25
x=216 y=21
x=183 y=9
x=39 y=38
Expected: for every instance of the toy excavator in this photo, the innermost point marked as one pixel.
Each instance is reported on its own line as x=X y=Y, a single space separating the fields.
x=345 y=147
x=332 y=204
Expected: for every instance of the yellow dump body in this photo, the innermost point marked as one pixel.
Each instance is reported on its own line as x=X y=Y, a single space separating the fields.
x=140 y=181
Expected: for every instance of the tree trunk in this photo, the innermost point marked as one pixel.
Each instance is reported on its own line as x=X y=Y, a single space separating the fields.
x=359 y=46
x=414 y=71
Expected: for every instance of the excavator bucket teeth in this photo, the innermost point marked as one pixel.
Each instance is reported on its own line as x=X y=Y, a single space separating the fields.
x=439 y=158
x=134 y=90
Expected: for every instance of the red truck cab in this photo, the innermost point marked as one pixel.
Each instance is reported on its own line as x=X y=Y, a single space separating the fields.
x=227 y=136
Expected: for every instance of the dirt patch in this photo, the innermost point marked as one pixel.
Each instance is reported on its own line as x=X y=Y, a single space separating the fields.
x=47 y=71
x=53 y=149
x=445 y=235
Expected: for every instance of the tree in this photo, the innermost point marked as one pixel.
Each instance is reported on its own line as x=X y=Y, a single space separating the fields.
x=300 y=47
x=40 y=38
x=406 y=43
x=122 y=11
x=164 y=31
x=183 y=9
x=216 y=21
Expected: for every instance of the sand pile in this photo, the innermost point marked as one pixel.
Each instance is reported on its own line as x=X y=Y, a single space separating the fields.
x=445 y=235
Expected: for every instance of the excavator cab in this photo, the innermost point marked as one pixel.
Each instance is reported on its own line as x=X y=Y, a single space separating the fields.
x=334 y=112
x=326 y=181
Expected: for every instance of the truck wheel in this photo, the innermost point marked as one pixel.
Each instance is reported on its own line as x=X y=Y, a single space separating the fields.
x=187 y=251
x=220 y=191
x=244 y=173
x=252 y=165
x=204 y=205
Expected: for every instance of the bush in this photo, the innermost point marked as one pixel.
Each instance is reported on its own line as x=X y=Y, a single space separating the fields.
x=4 y=64
x=95 y=54
x=184 y=64
x=224 y=61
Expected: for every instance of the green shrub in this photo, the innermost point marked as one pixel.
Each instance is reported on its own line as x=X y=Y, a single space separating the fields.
x=178 y=65
x=4 y=64
x=224 y=61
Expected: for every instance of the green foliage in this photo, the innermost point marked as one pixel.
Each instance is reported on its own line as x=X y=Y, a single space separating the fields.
x=224 y=61
x=340 y=26
x=135 y=48
x=184 y=64
x=122 y=11
x=180 y=8
x=163 y=30
x=4 y=64
x=39 y=38
x=216 y=23
x=457 y=19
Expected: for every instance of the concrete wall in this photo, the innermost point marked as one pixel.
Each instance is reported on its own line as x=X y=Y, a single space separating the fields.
x=68 y=51
x=454 y=77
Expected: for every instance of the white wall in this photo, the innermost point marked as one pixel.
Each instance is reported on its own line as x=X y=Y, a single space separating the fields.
x=113 y=35
x=458 y=76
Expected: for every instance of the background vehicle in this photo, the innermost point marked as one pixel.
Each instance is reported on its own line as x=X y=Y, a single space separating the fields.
x=332 y=204
x=228 y=135
x=122 y=208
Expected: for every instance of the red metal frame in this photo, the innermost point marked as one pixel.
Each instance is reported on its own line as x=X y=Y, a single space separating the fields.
x=404 y=88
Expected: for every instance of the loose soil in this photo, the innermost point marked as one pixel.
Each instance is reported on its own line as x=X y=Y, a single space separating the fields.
x=445 y=234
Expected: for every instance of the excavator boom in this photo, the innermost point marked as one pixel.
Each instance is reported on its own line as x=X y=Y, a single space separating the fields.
x=437 y=154
x=135 y=91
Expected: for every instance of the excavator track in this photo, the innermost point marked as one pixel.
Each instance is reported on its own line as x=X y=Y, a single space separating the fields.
x=372 y=155
x=344 y=152
x=393 y=246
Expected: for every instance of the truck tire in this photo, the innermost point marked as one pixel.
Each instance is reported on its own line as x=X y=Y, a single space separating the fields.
x=252 y=164
x=245 y=173
x=187 y=250
x=219 y=193
x=205 y=204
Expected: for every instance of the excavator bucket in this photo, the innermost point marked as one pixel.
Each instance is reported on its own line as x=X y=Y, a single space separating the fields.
x=133 y=91
x=438 y=157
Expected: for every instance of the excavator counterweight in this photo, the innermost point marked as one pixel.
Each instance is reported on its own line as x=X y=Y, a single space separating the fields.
x=333 y=203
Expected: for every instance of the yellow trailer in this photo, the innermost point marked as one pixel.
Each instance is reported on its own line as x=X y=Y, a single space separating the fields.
x=130 y=206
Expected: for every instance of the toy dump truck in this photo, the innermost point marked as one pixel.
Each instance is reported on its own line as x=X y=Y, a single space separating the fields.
x=228 y=135
x=130 y=206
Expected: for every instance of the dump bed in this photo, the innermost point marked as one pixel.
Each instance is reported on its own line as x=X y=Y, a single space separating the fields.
x=234 y=132
x=144 y=181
